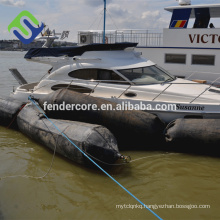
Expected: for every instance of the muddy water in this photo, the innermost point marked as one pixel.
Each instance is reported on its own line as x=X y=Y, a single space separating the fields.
x=168 y=182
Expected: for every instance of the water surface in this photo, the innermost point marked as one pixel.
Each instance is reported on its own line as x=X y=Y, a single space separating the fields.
x=71 y=191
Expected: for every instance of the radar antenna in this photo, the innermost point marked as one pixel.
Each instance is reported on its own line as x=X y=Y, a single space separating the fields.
x=184 y=2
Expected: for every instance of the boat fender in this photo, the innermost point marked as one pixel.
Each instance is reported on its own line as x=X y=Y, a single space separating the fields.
x=194 y=135
x=9 y=109
x=132 y=129
x=95 y=140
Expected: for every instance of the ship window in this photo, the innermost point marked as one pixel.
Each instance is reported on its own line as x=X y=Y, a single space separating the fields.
x=103 y=75
x=75 y=88
x=147 y=75
x=87 y=74
x=203 y=60
x=175 y=58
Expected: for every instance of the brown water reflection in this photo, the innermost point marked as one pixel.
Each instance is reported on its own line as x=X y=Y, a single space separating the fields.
x=71 y=191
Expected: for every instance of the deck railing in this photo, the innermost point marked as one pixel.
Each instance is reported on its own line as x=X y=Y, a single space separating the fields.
x=95 y=84
x=142 y=37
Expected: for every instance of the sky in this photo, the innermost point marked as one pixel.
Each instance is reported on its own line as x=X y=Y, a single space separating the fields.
x=75 y=15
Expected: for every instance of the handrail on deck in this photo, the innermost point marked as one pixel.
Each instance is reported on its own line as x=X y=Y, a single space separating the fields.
x=142 y=37
x=129 y=86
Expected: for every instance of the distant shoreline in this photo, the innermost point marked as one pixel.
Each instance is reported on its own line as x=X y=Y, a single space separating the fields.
x=20 y=50
x=16 y=45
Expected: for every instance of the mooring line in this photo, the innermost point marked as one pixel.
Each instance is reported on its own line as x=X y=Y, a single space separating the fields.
x=93 y=160
x=16 y=116
x=48 y=171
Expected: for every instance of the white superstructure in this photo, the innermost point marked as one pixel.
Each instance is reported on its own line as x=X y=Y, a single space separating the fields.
x=187 y=50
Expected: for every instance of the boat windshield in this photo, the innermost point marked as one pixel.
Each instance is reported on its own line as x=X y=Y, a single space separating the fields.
x=147 y=75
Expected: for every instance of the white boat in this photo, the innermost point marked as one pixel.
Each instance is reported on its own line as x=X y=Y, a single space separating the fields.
x=50 y=36
x=118 y=73
x=188 y=48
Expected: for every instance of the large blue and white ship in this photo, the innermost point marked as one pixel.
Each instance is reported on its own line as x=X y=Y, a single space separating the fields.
x=188 y=48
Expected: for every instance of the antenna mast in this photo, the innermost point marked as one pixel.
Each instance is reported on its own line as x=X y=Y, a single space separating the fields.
x=184 y=2
x=104 y=21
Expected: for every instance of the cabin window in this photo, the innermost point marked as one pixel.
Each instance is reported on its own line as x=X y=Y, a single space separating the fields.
x=175 y=58
x=203 y=60
x=87 y=74
x=147 y=75
x=75 y=88
x=108 y=76
x=103 y=75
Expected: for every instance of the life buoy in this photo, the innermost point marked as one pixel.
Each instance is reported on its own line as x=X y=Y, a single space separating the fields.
x=106 y=40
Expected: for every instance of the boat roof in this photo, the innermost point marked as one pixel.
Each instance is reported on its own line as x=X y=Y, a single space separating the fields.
x=213 y=8
x=75 y=51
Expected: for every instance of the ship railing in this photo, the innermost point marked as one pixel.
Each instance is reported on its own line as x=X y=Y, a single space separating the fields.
x=151 y=37
x=212 y=84
x=194 y=99
x=94 y=86
x=197 y=75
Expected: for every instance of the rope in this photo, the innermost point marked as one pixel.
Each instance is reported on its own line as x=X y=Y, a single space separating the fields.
x=33 y=177
x=109 y=164
x=95 y=20
x=85 y=154
x=140 y=159
x=15 y=116
x=150 y=157
x=51 y=164
x=100 y=21
x=112 y=19
x=94 y=161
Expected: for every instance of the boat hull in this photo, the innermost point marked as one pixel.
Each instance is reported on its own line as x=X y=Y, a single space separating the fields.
x=173 y=110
